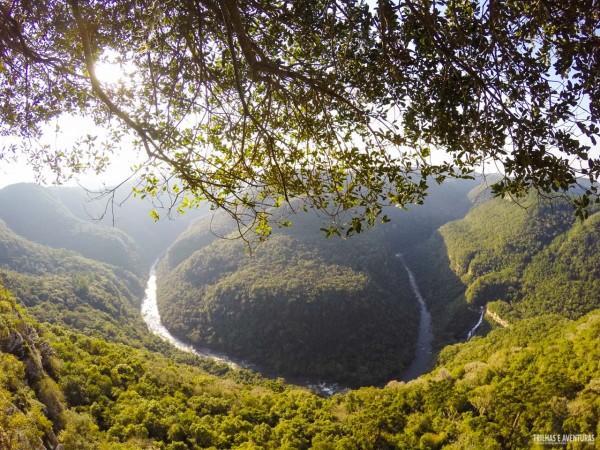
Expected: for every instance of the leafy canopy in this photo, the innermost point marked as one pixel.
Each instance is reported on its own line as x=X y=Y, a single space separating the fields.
x=339 y=103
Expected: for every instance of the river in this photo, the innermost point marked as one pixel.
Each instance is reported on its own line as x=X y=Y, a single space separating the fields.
x=423 y=352
x=155 y=325
x=418 y=366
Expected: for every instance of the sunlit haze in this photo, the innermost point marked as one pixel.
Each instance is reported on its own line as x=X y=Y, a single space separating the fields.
x=69 y=130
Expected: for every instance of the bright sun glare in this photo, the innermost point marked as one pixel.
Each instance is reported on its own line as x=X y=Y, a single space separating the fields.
x=109 y=73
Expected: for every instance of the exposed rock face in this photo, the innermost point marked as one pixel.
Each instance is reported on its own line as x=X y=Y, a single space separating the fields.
x=496 y=318
x=24 y=342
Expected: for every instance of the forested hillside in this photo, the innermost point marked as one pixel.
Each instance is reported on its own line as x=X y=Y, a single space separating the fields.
x=540 y=376
x=329 y=309
x=301 y=305
x=521 y=260
x=38 y=215
x=60 y=286
x=122 y=211
x=565 y=277
x=349 y=279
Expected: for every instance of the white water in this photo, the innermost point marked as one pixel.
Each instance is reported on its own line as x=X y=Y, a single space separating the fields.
x=152 y=319
x=477 y=325
x=423 y=352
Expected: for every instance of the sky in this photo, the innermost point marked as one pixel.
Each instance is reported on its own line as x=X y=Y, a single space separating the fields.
x=72 y=128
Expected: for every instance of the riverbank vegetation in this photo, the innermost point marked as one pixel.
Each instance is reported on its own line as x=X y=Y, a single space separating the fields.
x=346 y=110
x=299 y=306
x=91 y=376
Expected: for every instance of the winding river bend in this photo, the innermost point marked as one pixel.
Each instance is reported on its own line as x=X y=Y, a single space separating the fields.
x=152 y=318
x=419 y=365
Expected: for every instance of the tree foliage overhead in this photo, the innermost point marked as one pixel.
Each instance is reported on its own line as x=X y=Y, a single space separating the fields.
x=339 y=102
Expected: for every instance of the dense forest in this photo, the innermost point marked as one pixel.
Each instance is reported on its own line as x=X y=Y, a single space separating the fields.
x=60 y=286
x=80 y=368
x=301 y=305
x=539 y=377
x=336 y=228
x=516 y=259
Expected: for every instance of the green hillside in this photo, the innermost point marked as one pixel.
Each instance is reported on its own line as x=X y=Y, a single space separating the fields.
x=130 y=215
x=60 y=286
x=492 y=245
x=522 y=260
x=38 y=215
x=444 y=203
x=31 y=403
x=540 y=376
x=301 y=305
x=332 y=309
x=565 y=277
